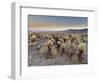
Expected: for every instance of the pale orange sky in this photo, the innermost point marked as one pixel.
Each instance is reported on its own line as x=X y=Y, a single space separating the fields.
x=49 y=26
x=55 y=22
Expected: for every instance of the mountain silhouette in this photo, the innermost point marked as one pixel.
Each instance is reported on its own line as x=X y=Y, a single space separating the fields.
x=76 y=30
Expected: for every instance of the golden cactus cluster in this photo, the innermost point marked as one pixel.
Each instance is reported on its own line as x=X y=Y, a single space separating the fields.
x=52 y=44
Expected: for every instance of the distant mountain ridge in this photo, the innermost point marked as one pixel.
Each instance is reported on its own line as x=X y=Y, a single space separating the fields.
x=77 y=30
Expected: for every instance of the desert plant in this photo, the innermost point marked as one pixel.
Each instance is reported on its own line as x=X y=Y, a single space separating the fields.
x=53 y=51
x=62 y=48
x=33 y=38
x=44 y=51
x=53 y=40
x=32 y=44
x=49 y=43
x=61 y=40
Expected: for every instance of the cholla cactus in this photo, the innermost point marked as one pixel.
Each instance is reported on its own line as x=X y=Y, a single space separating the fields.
x=59 y=43
x=32 y=44
x=65 y=38
x=75 y=59
x=53 y=51
x=49 y=37
x=62 y=48
x=61 y=39
x=29 y=34
x=82 y=46
x=44 y=51
x=53 y=40
x=49 y=43
x=33 y=38
x=53 y=44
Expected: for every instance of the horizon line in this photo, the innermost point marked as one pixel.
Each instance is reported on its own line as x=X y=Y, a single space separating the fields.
x=41 y=30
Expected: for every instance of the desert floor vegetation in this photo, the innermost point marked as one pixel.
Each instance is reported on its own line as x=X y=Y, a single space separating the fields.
x=57 y=48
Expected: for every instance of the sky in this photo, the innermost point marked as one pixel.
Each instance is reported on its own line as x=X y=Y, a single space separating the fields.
x=40 y=22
